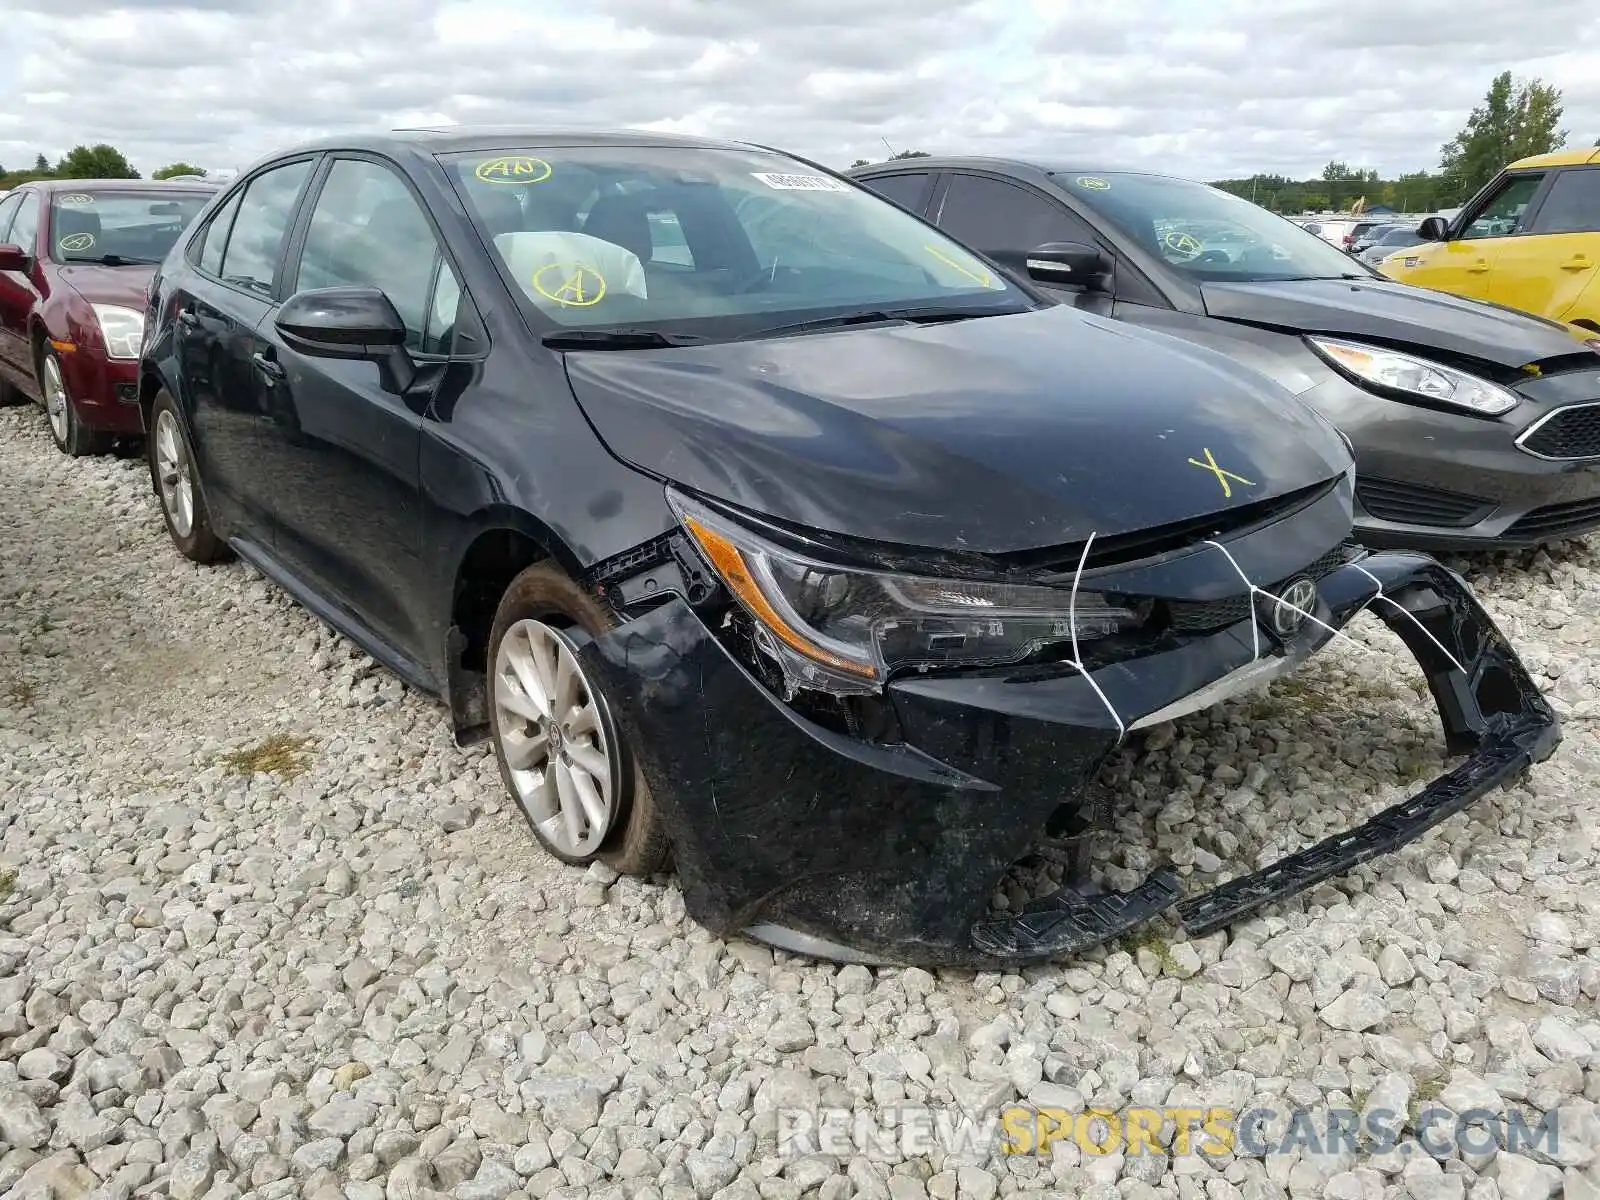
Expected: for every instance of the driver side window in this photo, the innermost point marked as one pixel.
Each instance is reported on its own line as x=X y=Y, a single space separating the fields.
x=1004 y=220
x=1504 y=215
x=367 y=230
x=8 y=209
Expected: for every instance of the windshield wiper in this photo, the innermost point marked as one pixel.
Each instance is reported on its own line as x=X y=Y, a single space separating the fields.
x=617 y=339
x=879 y=316
x=116 y=260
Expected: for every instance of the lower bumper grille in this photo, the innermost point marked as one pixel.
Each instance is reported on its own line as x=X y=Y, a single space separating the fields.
x=1557 y=520
x=1414 y=504
x=1566 y=433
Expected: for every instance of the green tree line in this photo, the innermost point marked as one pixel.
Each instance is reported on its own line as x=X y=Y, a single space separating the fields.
x=1516 y=119
x=100 y=161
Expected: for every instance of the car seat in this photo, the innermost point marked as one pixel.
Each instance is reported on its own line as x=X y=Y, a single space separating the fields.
x=623 y=221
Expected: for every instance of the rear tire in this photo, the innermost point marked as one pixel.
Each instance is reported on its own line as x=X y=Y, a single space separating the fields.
x=177 y=486
x=544 y=618
x=71 y=436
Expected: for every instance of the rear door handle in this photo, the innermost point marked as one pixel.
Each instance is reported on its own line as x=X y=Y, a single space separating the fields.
x=270 y=367
x=1577 y=262
x=1479 y=267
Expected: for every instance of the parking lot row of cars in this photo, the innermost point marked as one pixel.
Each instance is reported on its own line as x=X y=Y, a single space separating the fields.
x=782 y=524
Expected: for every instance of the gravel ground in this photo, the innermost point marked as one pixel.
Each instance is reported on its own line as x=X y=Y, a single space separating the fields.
x=265 y=930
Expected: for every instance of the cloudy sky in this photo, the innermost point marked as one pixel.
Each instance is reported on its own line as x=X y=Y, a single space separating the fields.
x=1208 y=88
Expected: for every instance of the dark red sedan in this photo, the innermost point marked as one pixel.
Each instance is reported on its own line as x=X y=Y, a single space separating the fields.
x=75 y=259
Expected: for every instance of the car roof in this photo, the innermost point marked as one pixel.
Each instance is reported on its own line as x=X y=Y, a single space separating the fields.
x=120 y=185
x=979 y=162
x=445 y=139
x=1558 y=158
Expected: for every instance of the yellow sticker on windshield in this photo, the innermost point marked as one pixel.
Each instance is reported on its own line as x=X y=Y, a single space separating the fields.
x=1093 y=182
x=570 y=284
x=75 y=242
x=974 y=271
x=1183 y=243
x=513 y=169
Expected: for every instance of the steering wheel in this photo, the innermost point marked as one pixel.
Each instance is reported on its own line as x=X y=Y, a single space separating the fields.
x=1181 y=246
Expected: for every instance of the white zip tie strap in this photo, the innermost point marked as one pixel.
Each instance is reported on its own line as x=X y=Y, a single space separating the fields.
x=1378 y=583
x=1077 y=660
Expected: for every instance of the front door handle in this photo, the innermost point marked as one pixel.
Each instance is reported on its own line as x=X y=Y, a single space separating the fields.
x=268 y=366
x=1577 y=262
x=1479 y=267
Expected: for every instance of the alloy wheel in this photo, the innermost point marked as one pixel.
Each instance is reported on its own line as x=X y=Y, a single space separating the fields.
x=174 y=474
x=552 y=731
x=55 y=400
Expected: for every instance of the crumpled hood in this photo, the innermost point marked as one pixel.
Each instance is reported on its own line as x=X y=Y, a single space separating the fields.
x=1396 y=314
x=994 y=434
x=109 y=285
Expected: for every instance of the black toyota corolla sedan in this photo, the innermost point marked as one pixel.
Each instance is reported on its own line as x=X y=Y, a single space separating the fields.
x=1474 y=425
x=763 y=527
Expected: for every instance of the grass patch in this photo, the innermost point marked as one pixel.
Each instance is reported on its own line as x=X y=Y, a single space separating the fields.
x=1425 y=1091
x=20 y=692
x=283 y=754
x=8 y=883
x=1149 y=940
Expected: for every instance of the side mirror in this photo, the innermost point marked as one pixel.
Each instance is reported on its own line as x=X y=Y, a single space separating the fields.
x=13 y=258
x=1073 y=263
x=1433 y=229
x=349 y=322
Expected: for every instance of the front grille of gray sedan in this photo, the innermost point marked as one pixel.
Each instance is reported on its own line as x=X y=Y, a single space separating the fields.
x=1566 y=433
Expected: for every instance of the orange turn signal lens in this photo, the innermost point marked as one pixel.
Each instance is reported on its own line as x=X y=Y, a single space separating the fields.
x=729 y=562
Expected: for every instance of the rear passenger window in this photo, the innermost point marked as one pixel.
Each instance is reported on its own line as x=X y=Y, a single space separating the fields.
x=215 y=237
x=255 y=244
x=1573 y=205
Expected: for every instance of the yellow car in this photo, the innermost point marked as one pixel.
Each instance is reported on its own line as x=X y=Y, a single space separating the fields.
x=1529 y=240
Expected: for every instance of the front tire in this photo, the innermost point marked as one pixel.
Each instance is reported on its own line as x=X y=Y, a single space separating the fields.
x=561 y=755
x=173 y=475
x=71 y=436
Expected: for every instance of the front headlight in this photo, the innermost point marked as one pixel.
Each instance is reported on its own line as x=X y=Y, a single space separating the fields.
x=845 y=630
x=1391 y=371
x=121 y=329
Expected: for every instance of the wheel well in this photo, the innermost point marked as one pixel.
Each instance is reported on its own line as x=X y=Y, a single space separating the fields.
x=490 y=564
x=36 y=339
x=149 y=384
x=1588 y=324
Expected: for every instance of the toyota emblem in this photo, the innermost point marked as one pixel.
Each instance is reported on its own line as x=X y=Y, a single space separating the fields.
x=1293 y=603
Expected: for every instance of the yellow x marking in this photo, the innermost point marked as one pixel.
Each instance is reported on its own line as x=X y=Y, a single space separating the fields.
x=1210 y=464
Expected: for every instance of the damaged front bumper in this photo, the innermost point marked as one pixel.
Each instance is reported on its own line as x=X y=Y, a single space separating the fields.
x=888 y=851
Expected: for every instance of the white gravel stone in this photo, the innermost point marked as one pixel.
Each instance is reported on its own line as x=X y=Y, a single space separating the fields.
x=1356 y=1010
x=1520 y=1178
x=354 y=975
x=1559 y=1041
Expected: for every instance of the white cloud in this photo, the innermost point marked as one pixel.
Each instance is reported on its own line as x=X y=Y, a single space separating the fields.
x=1207 y=90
